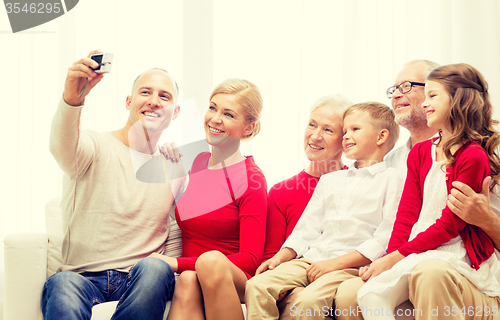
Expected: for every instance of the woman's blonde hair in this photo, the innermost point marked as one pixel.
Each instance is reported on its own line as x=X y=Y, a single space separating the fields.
x=248 y=95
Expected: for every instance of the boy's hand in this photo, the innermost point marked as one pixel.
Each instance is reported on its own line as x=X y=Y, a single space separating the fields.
x=320 y=268
x=380 y=265
x=352 y=259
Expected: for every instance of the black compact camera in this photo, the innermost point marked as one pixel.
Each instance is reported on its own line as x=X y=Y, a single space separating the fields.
x=104 y=60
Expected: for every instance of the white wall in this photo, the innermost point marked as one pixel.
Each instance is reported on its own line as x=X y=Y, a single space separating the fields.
x=297 y=51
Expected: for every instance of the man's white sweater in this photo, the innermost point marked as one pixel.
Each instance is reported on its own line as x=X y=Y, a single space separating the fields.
x=111 y=220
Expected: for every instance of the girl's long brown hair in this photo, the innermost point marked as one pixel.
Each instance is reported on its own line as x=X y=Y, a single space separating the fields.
x=470 y=112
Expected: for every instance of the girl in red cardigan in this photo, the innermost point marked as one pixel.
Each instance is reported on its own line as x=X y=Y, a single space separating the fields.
x=457 y=103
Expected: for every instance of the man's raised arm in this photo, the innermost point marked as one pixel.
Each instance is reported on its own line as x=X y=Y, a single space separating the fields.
x=66 y=145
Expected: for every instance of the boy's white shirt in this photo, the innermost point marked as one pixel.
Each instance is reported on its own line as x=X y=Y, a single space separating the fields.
x=352 y=209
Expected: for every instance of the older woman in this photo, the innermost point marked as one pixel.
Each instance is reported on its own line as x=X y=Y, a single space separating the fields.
x=323 y=148
x=222 y=213
x=289 y=198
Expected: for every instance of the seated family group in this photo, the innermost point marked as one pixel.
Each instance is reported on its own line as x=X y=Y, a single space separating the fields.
x=414 y=223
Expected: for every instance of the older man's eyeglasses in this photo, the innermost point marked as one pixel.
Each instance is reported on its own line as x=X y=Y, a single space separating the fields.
x=403 y=87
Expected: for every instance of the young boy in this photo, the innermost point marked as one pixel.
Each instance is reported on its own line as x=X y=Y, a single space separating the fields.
x=346 y=224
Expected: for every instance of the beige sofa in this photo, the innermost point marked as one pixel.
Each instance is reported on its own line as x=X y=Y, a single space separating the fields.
x=31 y=258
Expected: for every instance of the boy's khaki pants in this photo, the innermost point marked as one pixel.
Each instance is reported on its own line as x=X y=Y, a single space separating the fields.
x=313 y=302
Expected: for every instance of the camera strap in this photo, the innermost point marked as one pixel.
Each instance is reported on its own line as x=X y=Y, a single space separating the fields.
x=82 y=90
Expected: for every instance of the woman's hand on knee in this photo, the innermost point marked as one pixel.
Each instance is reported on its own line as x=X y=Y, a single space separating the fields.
x=171 y=261
x=264 y=266
x=269 y=264
x=284 y=255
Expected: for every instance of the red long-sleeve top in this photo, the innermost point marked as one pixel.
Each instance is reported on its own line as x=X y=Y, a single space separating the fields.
x=286 y=203
x=471 y=166
x=224 y=210
x=287 y=200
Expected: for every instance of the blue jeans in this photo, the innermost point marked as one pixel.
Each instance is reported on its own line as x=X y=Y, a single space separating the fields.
x=143 y=293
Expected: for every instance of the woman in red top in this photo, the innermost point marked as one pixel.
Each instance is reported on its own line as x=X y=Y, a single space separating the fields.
x=288 y=198
x=222 y=213
x=323 y=148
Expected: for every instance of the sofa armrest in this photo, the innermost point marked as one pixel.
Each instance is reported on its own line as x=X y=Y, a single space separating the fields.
x=25 y=274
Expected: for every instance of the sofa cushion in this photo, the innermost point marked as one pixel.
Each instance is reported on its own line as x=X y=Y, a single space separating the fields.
x=173 y=245
x=104 y=311
x=53 y=224
x=25 y=271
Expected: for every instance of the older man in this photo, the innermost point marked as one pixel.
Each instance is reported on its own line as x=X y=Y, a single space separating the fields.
x=436 y=288
x=112 y=221
x=406 y=97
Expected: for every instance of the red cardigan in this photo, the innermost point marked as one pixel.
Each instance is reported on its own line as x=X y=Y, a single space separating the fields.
x=471 y=166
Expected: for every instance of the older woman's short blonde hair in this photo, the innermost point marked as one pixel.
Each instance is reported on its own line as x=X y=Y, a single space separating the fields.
x=248 y=95
x=336 y=102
